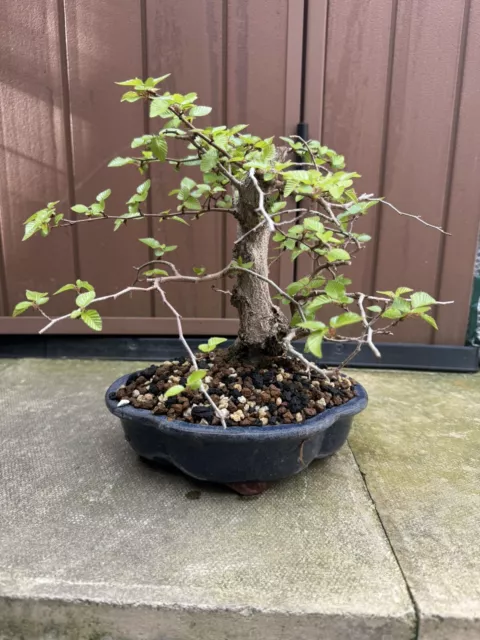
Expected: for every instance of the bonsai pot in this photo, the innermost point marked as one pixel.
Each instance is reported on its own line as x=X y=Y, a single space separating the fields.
x=236 y=454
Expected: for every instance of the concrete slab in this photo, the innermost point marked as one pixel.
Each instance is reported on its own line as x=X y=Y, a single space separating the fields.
x=84 y=522
x=418 y=445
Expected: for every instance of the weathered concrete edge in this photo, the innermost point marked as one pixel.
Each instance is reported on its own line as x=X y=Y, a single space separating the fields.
x=32 y=618
x=428 y=624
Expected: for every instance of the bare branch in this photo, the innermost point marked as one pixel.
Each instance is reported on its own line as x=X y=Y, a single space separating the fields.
x=367 y=326
x=309 y=365
x=261 y=201
x=181 y=336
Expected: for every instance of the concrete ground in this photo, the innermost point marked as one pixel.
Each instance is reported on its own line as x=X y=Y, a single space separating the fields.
x=379 y=542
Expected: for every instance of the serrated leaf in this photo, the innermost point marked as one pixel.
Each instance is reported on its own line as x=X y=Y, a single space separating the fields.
x=421 y=299
x=83 y=284
x=143 y=188
x=401 y=290
x=313 y=224
x=345 y=319
x=85 y=299
x=92 y=319
x=129 y=83
x=337 y=255
x=21 y=307
x=277 y=206
x=66 y=287
x=314 y=343
x=153 y=273
x=375 y=308
x=430 y=320
x=193 y=204
x=312 y=325
x=120 y=162
x=159 y=107
x=130 y=96
x=31 y=229
x=335 y=289
x=199 y=110
x=103 y=195
x=159 y=147
x=150 y=242
x=209 y=160
x=390 y=294
x=173 y=391
x=392 y=314
x=80 y=208
x=34 y=296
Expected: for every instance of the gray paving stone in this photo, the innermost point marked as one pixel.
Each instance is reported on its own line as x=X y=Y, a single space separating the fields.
x=418 y=445
x=96 y=545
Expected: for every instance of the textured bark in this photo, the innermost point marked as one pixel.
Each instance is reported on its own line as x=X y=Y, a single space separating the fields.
x=263 y=326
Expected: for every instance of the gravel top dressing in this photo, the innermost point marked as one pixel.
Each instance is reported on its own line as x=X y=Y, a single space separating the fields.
x=247 y=395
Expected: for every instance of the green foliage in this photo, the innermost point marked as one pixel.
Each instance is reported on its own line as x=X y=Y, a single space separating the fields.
x=173 y=391
x=211 y=344
x=319 y=227
x=194 y=380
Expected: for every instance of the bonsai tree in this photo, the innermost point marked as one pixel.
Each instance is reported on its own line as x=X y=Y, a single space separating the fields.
x=297 y=194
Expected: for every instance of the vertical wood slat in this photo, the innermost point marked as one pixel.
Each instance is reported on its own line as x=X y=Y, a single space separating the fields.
x=104 y=45
x=260 y=77
x=33 y=159
x=356 y=94
x=427 y=46
x=456 y=268
x=186 y=40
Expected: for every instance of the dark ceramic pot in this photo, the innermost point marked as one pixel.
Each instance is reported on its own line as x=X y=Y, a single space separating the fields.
x=236 y=454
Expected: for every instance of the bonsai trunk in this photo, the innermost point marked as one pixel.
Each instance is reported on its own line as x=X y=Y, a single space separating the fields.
x=263 y=326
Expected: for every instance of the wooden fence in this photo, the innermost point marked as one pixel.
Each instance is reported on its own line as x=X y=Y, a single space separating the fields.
x=392 y=84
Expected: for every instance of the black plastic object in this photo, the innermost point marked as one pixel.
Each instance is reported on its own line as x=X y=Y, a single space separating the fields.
x=236 y=454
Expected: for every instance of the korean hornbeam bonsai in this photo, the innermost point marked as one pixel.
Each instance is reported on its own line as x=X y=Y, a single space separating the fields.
x=296 y=193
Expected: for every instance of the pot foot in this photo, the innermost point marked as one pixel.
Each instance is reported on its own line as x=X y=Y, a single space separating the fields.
x=248 y=488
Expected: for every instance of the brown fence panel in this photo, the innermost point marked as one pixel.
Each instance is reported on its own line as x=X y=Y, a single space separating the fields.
x=33 y=160
x=104 y=45
x=455 y=275
x=187 y=39
x=263 y=79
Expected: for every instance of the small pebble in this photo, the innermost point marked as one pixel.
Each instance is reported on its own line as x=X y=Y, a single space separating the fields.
x=264 y=421
x=136 y=393
x=279 y=378
x=278 y=401
x=123 y=402
x=298 y=417
x=242 y=400
x=237 y=416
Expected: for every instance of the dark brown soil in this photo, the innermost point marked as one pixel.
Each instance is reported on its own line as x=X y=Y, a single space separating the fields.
x=280 y=394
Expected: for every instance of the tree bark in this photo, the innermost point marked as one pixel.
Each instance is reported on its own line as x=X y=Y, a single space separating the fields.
x=263 y=326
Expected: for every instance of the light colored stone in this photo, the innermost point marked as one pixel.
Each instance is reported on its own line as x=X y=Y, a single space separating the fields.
x=83 y=520
x=418 y=444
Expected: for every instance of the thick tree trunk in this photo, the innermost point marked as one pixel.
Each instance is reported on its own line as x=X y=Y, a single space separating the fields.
x=263 y=326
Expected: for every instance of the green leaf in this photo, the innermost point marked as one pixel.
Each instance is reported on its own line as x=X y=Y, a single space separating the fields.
x=199 y=111
x=401 y=290
x=345 y=319
x=120 y=162
x=85 y=299
x=336 y=255
x=375 y=308
x=193 y=204
x=153 y=273
x=312 y=325
x=209 y=160
x=421 y=299
x=103 y=195
x=160 y=79
x=80 y=208
x=76 y=314
x=150 y=242
x=390 y=294
x=143 y=188
x=314 y=343
x=194 y=379
x=172 y=247
x=392 y=314
x=92 y=318
x=212 y=343
x=35 y=296
x=179 y=219
x=130 y=96
x=160 y=107
x=277 y=206
x=83 y=284
x=313 y=224
x=364 y=237
x=21 y=307
x=129 y=83
x=173 y=391
x=66 y=287
x=159 y=147
x=199 y=270
x=430 y=320
x=335 y=289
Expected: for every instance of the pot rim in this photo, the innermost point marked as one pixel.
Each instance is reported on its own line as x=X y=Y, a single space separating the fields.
x=321 y=421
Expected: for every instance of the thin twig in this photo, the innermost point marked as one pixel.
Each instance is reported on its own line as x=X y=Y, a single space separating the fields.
x=367 y=326
x=261 y=201
x=193 y=359
x=309 y=365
